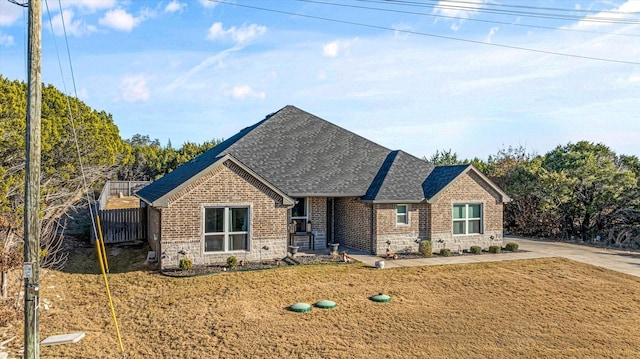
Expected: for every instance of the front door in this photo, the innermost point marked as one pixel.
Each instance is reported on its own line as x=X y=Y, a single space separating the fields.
x=329 y=220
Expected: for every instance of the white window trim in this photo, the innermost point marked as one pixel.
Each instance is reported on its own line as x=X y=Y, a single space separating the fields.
x=305 y=218
x=406 y=215
x=467 y=219
x=226 y=231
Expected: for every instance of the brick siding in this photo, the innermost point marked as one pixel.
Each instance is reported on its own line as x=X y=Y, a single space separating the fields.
x=353 y=223
x=401 y=237
x=469 y=188
x=228 y=185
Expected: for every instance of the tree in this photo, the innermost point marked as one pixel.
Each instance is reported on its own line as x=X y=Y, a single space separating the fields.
x=598 y=182
x=64 y=180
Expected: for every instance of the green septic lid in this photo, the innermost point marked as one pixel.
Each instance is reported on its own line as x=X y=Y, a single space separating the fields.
x=382 y=298
x=300 y=307
x=326 y=304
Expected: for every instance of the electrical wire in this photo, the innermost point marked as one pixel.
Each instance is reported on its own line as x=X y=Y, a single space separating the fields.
x=445 y=37
x=95 y=226
x=493 y=8
x=467 y=19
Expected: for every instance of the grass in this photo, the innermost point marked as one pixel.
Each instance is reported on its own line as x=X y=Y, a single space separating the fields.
x=534 y=308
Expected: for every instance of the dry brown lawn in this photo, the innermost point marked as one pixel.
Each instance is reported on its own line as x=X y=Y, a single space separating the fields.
x=536 y=308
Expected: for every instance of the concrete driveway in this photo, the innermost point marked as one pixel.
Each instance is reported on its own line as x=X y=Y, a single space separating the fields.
x=618 y=260
x=621 y=261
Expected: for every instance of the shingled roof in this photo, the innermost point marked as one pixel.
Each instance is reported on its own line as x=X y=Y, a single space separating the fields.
x=302 y=155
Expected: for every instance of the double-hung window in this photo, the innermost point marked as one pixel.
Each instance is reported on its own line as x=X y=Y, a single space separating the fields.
x=402 y=217
x=226 y=229
x=467 y=218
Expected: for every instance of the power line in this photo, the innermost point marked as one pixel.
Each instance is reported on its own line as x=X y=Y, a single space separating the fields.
x=466 y=19
x=474 y=6
x=547 y=52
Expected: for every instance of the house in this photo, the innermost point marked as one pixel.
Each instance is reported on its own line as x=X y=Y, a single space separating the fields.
x=296 y=179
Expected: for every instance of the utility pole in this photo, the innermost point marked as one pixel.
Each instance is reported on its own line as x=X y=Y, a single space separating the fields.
x=32 y=185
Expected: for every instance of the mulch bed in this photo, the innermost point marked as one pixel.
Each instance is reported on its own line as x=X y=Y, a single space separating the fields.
x=251 y=266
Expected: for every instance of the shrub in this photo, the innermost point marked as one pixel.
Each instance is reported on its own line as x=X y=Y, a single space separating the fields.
x=426 y=248
x=512 y=247
x=232 y=262
x=475 y=249
x=445 y=252
x=186 y=264
x=494 y=249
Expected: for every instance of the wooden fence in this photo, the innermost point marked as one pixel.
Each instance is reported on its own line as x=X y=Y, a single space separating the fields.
x=123 y=225
x=117 y=188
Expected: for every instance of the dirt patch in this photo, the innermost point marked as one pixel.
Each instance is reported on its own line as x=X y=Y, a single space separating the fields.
x=115 y=202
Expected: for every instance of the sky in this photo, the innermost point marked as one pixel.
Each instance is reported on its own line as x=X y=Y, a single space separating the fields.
x=471 y=76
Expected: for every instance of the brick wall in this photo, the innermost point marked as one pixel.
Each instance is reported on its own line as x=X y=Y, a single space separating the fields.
x=469 y=188
x=318 y=218
x=353 y=223
x=402 y=237
x=182 y=220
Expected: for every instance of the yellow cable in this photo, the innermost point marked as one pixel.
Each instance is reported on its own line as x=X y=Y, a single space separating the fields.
x=106 y=284
x=101 y=239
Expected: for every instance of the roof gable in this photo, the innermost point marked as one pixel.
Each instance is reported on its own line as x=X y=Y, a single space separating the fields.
x=443 y=176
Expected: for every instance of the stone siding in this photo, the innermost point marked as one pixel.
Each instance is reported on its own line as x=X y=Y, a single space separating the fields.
x=469 y=188
x=402 y=237
x=228 y=185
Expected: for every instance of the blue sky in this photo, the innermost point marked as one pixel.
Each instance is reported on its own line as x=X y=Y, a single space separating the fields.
x=419 y=76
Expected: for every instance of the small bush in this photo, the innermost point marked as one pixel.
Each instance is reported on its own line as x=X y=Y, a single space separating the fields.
x=494 y=249
x=186 y=264
x=426 y=248
x=511 y=247
x=445 y=252
x=475 y=249
x=232 y=262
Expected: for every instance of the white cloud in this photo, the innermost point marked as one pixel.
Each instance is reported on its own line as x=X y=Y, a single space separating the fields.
x=88 y=6
x=492 y=32
x=119 y=19
x=175 y=6
x=10 y=13
x=134 y=88
x=208 y=4
x=333 y=49
x=238 y=35
x=624 y=11
x=243 y=92
x=72 y=27
x=6 y=40
x=454 y=9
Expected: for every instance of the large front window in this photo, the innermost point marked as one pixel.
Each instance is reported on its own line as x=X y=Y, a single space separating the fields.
x=467 y=218
x=299 y=214
x=226 y=229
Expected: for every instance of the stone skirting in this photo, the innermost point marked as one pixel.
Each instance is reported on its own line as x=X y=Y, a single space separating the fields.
x=261 y=249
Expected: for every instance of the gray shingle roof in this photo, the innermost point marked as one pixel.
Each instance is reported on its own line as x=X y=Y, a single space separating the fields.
x=303 y=155
x=400 y=179
x=440 y=178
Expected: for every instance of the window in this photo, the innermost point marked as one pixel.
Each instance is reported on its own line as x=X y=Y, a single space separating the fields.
x=401 y=214
x=226 y=229
x=467 y=219
x=299 y=214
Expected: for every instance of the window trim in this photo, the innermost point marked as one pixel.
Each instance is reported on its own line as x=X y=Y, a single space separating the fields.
x=304 y=218
x=467 y=219
x=406 y=215
x=226 y=230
